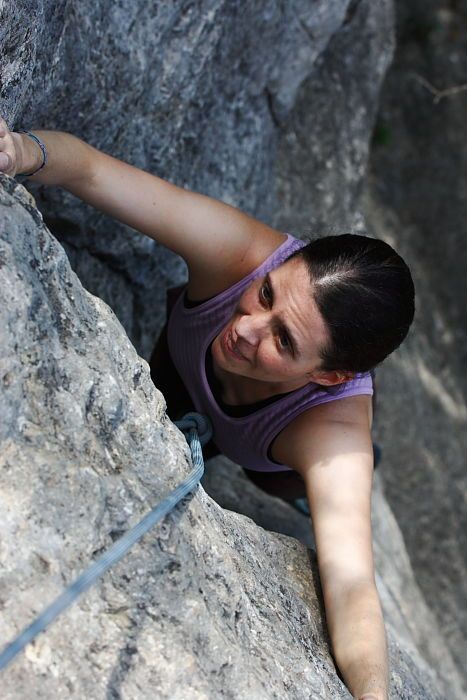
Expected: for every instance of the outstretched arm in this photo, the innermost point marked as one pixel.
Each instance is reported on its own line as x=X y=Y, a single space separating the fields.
x=330 y=446
x=219 y=243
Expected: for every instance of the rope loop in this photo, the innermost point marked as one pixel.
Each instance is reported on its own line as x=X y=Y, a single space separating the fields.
x=199 y=422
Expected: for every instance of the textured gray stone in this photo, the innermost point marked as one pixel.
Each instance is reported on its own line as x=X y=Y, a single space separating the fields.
x=190 y=91
x=209 y=604
x=200 y=94
x=323 y=150
x=407 y=616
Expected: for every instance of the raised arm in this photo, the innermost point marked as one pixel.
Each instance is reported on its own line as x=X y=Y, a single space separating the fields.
x=219 y=242
x=330 y=446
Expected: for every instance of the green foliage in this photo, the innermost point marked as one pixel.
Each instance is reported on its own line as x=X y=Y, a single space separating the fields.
x=382 y=135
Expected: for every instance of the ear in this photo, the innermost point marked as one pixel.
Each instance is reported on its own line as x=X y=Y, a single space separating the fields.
x=331 y=378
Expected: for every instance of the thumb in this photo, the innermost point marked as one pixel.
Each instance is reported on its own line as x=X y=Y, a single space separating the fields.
x=5 y=161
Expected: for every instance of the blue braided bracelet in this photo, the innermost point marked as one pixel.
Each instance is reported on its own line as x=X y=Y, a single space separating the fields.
x=43 y=149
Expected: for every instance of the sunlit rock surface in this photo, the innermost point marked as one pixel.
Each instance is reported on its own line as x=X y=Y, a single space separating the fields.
x=209 y=604
x=269 y=108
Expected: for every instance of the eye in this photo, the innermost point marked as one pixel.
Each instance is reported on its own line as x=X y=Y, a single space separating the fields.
x=284 y=341
x=265 y=294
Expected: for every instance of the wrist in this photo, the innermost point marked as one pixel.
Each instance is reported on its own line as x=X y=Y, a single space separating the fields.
x=28 y=153
x=21 y=152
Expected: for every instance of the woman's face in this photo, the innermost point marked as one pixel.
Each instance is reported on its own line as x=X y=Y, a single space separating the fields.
x=276 y=331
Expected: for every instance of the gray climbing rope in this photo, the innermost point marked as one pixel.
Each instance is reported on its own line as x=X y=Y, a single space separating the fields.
x=199 y=433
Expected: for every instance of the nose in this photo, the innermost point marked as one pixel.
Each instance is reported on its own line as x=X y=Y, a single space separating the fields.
x=251 y=328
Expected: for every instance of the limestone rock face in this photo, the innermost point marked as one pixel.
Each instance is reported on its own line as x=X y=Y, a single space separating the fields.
x=324 y=147
x=267 y=106
x=208 y=604
x=191 y=92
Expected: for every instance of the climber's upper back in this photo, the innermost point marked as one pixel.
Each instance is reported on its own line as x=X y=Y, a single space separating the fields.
x=219 y=243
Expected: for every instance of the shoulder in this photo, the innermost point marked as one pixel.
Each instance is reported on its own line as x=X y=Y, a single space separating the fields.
x=335 y=428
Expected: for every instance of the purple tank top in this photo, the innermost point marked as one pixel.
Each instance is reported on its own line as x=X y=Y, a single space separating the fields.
x=245 y=440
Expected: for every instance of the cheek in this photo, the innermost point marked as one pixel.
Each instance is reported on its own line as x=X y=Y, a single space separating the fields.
x=269 y=357
x=275 y=362
x=246 y=305
x=250 y=296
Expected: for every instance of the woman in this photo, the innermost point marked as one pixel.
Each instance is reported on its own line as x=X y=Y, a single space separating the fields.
x=289 y=338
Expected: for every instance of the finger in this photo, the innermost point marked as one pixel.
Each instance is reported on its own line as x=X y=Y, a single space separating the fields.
x=5 y=161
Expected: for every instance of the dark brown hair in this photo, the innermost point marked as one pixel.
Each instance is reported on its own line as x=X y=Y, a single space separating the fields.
x=365 y=293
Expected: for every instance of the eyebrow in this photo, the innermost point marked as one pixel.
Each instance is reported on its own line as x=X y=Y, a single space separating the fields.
x=285 y=326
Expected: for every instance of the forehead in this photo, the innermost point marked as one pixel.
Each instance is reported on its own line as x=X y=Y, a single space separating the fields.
x=294 y=303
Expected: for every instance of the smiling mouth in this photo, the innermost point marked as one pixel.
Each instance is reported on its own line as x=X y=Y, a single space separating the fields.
x=230 y=346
